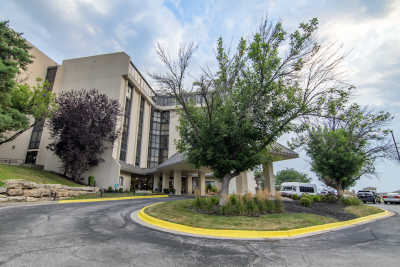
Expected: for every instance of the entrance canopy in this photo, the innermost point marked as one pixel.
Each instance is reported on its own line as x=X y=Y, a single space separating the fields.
x=179 y=162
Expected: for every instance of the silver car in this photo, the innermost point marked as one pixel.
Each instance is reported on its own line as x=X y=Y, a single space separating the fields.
x=391 y=198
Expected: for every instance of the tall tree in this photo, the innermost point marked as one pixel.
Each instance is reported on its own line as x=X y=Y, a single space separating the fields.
x=253 y=98
x=346 y=143
x=81 y=127
x=19 y=102
x=291 y=175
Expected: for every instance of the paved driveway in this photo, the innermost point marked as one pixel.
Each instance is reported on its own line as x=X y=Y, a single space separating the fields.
x=102 y=234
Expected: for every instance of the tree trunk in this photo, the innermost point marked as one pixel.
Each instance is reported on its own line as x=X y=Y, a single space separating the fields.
x=224 y=194
x=340 y=191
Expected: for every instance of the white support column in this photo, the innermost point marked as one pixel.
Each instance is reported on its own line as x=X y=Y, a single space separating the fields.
x=178 y=182
x=156 y=182
x=238 y=180
x=269 y=178
x=202 y=184
x=165 y=181
x=189 y=184
x=242 y=186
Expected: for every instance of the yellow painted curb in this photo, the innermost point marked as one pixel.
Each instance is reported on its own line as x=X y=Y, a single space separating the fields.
x=108 y=199
x=253 y=234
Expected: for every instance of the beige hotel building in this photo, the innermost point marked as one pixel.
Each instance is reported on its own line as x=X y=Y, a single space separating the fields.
x=145 y=156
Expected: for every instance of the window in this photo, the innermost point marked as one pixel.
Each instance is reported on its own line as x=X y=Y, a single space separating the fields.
x=125 y=127
x=36 y=135
x=121 y=181
x=306 y=189
x=159 y=136
x=31 y=157
x=289 y=188
x=140 y=132
x=34 y=142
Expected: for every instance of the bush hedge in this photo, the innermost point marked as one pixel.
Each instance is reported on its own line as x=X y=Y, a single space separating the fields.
x=306 y=201
x=350 y=201
x=237 y=205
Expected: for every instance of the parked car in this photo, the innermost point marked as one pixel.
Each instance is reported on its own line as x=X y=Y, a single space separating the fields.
x=368 y=196
x=328 y=191
x=391 y=198
x=295 y=188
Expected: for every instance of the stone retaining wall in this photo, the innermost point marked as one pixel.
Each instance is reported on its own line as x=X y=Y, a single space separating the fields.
x=21 y=190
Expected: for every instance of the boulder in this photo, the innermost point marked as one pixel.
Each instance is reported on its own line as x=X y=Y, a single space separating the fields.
x=63 y=193
x=17 y=198
x=3 y=190
x=44 y=192
x=19 y=183
x=14 y=184
x=3 y=199
x=33 y=193
x=3 y=196
x=32 y=199
x=15 y=192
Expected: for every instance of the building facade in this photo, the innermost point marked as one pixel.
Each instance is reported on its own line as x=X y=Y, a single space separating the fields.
x=144 y=157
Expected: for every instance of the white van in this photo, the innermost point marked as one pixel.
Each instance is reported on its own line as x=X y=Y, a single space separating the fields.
x=295 y=188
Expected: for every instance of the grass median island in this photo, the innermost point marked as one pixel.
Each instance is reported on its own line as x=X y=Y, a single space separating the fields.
x=362 y=210
x=183 y=212
x=38 y=176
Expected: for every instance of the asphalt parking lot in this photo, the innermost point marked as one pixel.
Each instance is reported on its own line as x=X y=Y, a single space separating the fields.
x=103 y=234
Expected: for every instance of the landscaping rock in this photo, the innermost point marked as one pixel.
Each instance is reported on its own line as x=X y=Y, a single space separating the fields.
x=32 y=199
x=17 y=198
x=63 y=193
x=33 y=193
x=44 y=192
x=20 y=190
x=14 y=184
x=15 y=192
x=19 y=183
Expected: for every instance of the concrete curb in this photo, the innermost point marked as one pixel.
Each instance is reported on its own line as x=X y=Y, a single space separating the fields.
x=108 y=199
x=146 y=220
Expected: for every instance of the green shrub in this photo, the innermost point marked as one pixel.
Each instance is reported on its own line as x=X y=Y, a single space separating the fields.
x=250 y=207
x=227 y=209
x=238 y=205
x=295 y=197
x=278 y=205
x=91 y=181
x=233 y=200
x=316 y=198
x=330 y=198
x=269 y=205
x=110 y=189
x=261 y=205
x=350 y=201
x=121 y=190
x=214 y=200
x=306 y=201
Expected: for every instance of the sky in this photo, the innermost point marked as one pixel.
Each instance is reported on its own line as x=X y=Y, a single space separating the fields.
x=367 y=30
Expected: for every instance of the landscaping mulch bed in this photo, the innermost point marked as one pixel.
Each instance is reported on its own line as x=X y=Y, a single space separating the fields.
x=333 y=210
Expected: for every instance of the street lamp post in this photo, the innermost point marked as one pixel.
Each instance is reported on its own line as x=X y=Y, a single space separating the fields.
x=395 y=145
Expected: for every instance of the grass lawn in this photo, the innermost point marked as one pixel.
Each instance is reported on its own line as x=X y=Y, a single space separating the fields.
x=362 y=210
x=34 y=175
x=179 y=212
